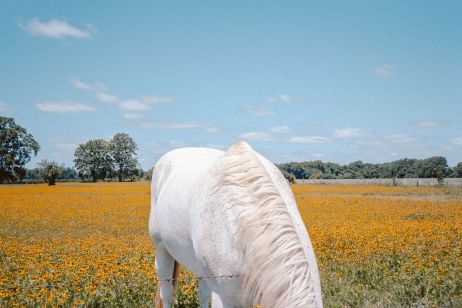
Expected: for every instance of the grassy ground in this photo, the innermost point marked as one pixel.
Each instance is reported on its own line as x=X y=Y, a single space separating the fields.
x=87 y=244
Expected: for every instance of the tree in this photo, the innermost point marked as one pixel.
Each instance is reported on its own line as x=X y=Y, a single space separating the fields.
x=68 y=174
x=20 y=173
x=148 y=174
x=33 y=174
x=317 y=175
x=434 y=167
x=16 y=147
x=458 y=170
x=123 y=151
x=93 y=160
x=50 y=170
x=289 y=176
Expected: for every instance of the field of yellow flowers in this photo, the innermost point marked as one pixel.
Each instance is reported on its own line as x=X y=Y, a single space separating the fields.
x=87 y=245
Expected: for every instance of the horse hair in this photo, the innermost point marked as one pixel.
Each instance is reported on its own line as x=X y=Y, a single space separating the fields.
x=275 y=268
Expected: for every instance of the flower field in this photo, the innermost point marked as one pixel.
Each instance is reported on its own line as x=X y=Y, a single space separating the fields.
x=87 y=245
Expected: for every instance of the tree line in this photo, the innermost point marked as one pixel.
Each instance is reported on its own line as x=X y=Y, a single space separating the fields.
x=99 y=159
x=433 y=167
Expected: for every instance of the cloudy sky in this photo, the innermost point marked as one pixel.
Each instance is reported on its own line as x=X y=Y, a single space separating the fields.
x=299 y=80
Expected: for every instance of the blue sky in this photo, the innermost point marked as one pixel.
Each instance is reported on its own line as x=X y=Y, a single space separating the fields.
x=299 y=80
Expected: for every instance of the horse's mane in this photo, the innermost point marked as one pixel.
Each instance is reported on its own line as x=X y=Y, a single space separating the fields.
x=275 y=268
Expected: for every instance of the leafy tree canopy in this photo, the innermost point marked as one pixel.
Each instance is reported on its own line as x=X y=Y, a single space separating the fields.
x=50 y=170
x=16 y=148
x=123 y=151
x=458 y=170
x=93 y=160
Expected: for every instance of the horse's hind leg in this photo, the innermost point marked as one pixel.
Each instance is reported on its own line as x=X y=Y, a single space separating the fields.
x=165 y=267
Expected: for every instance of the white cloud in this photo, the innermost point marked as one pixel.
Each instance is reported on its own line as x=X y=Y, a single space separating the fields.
x=105 y=97
x=401 y=145
x=97 y=86
x=144 y=102
x=156 y=100
x=390 y=141
x=429 y=122
x=4 y=107
x=259 y=111
x=133 y=105
x=400 y=138
x=211 y=130
x=153 y=150
x=170 y=125
x=80 y=84
x=308 y=139
x=281 y=98
x=55 y=28
x=457 y=141
x=320 y=122
x=65 y=106
x=256 y=136
x=132 y=115
x=348 y=133
x=279 y=129
x=130 y=105
x=268 y=135
x=385 y=70
x=274 y=135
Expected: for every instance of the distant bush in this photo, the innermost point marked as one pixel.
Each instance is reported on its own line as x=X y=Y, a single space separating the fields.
x=50 y=170
x=289 y=176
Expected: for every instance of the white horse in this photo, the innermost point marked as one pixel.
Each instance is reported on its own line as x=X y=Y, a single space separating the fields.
x=231 y=216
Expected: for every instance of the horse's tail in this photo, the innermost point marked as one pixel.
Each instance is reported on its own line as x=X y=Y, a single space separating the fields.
x=176 y=271
x=275 y=267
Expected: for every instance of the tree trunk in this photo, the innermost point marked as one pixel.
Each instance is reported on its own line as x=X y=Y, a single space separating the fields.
x=93 y=176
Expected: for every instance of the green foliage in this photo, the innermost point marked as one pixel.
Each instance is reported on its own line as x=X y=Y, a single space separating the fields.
x=33 y=174
x=458 y=170
x=123 y=151
x=433 y=167
x=316 y=175
x=147 y=175
x=50 y=170
x=93 y=160
x=100 y=159
x=68 y=174
x=16 y=147
x=19 y=173
x=289 y=176
x=304 y=170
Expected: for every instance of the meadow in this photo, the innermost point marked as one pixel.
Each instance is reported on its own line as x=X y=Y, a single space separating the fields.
x=87 y=245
